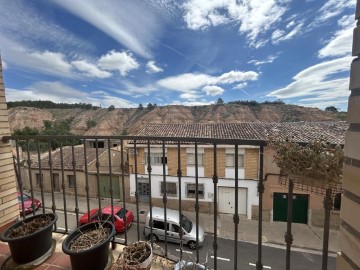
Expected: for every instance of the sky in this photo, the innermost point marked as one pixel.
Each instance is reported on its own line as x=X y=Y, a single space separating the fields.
x=193 y=52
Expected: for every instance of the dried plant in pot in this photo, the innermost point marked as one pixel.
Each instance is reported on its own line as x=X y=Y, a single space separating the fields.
x=136 y=256
x=190 y=263
x=31 y=238
x=88 y=246
x=317 y=164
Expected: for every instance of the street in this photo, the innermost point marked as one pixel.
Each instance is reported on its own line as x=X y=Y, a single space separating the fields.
x=273 y=257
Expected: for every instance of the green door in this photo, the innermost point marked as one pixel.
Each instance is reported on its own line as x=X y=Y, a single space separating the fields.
x=300 y=207
x=105 y=186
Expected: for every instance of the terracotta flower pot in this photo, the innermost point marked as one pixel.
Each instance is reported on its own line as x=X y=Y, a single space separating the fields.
x=94 y=258
x=25 y=249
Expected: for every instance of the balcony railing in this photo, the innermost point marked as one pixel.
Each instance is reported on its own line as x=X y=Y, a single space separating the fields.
x=29 y=159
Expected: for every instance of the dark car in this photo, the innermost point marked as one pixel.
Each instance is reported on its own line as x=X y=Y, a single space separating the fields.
x=105 y=215
x=27 y=203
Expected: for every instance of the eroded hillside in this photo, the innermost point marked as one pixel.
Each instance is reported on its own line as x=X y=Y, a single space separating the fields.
x=126 y=121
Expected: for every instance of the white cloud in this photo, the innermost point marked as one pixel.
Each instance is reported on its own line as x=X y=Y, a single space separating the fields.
x=90 y=70
x=280 y=35
x=20 y=22
x=185 y=82
x=191 y=81
x=4 y=65
x=61 y=93
x=254 y=17
x=56 y=62
x=316 y=82
x=240 y=85
x=191 y=103
x=332 y=8
x=236 y=76
x=152 y=67
x=341 y=42
x=131 y=23
x=268 y=60
x=213 y=90
x=192 y=96
x=120 y=61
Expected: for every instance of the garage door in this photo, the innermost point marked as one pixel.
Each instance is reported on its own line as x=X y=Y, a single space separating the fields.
x=300 y=207
x=227 y=200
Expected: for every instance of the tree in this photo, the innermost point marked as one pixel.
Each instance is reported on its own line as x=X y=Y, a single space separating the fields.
x=331 y=109
x=141 y=107
x=111 y=108
x=220 y=101
x=150 y=106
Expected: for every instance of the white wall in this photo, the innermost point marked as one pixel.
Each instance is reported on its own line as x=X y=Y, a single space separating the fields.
x=251 y=186
x=190 y=171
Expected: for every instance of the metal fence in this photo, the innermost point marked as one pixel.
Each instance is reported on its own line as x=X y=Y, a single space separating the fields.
x=34 y=146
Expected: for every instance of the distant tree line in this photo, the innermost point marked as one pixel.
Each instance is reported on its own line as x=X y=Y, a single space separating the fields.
x=61 y=128
x=256 y=103
x=45 y=104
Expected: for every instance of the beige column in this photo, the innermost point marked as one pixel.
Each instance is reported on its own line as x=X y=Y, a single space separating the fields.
x=349 y=255
x=8 y=200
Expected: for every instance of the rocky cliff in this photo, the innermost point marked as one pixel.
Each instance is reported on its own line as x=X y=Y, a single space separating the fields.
x=127 y=121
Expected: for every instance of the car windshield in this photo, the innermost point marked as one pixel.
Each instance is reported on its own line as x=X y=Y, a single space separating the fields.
x=121 y=213
x=186 y=224
x=25 y=197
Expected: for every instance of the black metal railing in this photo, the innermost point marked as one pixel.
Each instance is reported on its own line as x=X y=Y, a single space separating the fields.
x=35 y=156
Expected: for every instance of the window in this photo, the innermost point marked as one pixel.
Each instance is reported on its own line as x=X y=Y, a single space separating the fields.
x=175 y=228
x=337 y=201
x=230 y=160
x=38 y=177
x=191 y=190
x=171 y=188
x=99 y=144
x=71 y=181
x=155 y=158
x=160 y=225
x=190 y=159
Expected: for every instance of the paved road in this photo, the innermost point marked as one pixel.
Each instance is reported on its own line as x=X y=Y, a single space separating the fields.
x=273 y=257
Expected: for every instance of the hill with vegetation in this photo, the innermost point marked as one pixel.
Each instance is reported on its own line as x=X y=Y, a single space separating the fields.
x=46 y=117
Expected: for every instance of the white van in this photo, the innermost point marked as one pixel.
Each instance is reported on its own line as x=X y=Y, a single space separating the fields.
x=173 y=226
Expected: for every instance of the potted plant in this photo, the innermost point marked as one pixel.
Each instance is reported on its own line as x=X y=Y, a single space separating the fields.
x=192 y=265
x=136 y=256
x=31 y=238
x=88 y=246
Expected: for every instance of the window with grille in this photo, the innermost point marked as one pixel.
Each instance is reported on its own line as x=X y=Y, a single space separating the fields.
x=191 y=191
x=190 y=159
x=171 y=188
x=230 y=160
x=71 y=181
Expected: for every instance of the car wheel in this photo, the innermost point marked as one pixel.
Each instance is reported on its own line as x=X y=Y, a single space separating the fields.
x=154 y=238
x=191 y=244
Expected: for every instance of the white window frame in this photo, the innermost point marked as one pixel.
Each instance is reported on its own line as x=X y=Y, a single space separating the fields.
x=230 y=160
x=190 y=156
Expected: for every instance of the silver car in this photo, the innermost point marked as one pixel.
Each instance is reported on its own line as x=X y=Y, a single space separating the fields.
x=172 y=228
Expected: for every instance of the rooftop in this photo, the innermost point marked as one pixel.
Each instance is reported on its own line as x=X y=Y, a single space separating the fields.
x=332 y=132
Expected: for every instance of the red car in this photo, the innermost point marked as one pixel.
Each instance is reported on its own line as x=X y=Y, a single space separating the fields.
x=105 y=215
x=27 y=203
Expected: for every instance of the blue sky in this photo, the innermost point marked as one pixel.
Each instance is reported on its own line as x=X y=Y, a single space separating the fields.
x=122 y=53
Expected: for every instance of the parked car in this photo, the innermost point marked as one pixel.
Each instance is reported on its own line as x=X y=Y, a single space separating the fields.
x=27 y=203
x=173 y=228
x=106 y=215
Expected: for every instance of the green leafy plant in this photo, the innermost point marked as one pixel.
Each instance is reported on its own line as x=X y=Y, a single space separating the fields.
x=316 y=163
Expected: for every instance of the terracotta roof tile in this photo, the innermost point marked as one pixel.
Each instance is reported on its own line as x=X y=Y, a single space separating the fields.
x=333 y=132
x=67 y=157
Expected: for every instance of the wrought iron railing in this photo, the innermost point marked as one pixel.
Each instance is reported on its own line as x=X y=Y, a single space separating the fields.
x=33 y=156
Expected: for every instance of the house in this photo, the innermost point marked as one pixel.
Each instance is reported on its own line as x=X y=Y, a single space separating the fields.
x=248 y=167
x=63 y=174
